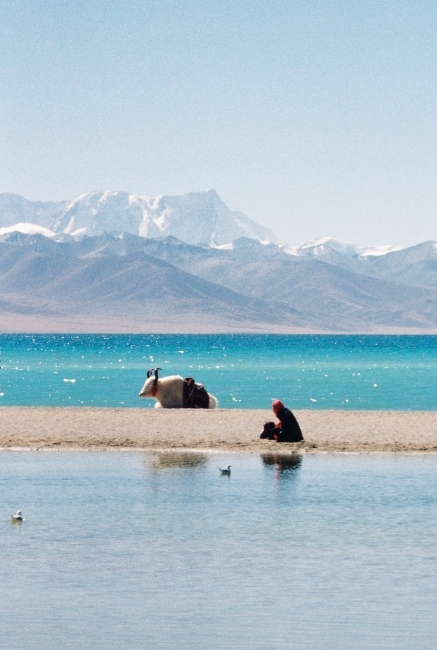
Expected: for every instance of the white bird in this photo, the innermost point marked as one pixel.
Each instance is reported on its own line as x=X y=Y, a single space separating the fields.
x=17 y=517
x=226 y=470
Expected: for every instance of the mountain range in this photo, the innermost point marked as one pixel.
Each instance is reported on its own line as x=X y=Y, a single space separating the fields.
x=119 y=262
x=195 y=218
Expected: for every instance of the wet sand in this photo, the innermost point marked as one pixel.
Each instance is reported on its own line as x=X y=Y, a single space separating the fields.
x=221 y=430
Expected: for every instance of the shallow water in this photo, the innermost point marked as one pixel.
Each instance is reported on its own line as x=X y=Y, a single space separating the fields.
x=243 y=371
x=130 y=550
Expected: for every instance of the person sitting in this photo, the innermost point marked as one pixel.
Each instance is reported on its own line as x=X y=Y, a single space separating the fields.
x=286 y=430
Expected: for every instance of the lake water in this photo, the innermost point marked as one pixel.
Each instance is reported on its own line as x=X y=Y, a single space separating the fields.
x=243 y=371
x=124 y=550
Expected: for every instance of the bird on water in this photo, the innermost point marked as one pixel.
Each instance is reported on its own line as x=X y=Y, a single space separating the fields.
x=17 y=517
x=226 y=471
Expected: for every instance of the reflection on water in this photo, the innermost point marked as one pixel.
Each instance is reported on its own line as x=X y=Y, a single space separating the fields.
x=166 y=459
x=338 y=553
x=284 y=463
x=16 y=522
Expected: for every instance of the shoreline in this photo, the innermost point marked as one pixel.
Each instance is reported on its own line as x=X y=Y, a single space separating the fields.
x=229 y=430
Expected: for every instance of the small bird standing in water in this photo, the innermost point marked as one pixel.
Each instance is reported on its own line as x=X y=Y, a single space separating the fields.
x=226 y=471
x=17 y=517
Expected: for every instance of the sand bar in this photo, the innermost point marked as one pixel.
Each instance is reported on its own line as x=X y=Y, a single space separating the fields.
x=221 y=429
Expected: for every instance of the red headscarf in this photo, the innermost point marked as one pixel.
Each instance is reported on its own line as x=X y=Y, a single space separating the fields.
x=277 y=406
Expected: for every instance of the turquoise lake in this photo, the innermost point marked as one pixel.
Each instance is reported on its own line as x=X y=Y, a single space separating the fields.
x=129 y=550
x=125 y=550
x=243 y=371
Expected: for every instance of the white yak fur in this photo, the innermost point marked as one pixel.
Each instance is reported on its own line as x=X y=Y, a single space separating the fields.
x=170 y=392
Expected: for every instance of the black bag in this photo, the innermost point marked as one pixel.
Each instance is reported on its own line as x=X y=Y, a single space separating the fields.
x=195 y=395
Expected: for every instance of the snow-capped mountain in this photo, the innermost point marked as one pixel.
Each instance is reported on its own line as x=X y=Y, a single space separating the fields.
x=416 y=265
x=170 y=262
x=25 y=229
x=195 y=218
x=324 y=247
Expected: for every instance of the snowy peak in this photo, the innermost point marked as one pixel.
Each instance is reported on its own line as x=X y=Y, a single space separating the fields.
x=99 y=212
x=195 y=218
x=25 y=229
x=325 y=247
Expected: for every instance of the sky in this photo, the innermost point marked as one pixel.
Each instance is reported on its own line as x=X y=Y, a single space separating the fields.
x=316 y=118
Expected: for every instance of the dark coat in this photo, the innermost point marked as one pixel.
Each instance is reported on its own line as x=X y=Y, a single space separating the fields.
x=290 y=429
x=286 y=430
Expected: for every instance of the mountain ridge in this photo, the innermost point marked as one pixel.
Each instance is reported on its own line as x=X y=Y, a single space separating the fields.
x=197 y=217
x=119 y=262
x=168 y=285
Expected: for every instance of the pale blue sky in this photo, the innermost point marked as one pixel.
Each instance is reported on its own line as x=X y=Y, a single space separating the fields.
x=317 y=118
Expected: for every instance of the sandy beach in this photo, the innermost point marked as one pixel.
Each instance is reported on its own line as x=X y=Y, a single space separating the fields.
x=222 y=430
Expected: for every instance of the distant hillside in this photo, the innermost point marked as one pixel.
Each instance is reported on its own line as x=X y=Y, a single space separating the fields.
x=113 y=261
x=128 y=283
x=132 y=292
